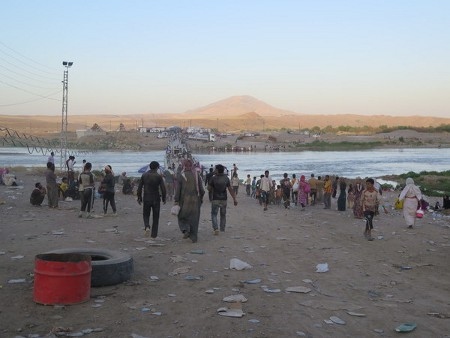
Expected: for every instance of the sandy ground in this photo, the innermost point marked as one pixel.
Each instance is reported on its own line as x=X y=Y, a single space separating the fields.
x=403 y=276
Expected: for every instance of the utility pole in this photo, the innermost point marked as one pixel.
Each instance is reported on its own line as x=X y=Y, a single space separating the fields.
x=64 y=123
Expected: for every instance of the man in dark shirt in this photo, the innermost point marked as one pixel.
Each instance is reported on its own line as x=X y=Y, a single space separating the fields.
x=154 y=189
x=219 y=184
x=86 y=188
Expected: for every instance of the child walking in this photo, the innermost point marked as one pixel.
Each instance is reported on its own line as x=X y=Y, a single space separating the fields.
x=370 y=201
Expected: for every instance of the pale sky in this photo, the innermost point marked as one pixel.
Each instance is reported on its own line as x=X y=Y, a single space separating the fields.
x=366 y=57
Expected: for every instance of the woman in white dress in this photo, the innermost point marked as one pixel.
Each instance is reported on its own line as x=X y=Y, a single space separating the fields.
x=411 y=195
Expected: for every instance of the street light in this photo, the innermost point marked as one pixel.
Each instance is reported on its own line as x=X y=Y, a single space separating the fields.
x=67 y=65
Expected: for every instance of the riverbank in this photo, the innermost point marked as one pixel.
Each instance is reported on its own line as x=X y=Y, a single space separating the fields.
x=291 y=142
x=372 y=286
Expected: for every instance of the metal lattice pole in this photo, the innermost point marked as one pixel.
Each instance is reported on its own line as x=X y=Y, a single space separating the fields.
x=64 y=114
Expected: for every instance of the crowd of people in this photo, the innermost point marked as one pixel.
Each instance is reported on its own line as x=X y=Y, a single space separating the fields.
x=79 y=184
x=186 y=186
x=364 y=198
x=187 y=183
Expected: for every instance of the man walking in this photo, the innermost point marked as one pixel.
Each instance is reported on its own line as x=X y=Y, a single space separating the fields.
x=248 y=184
x=265 y=186
x=370 y=200
x=218 y=185
x=208 y=177
x=313 y=185
x=285 y=183
x=154 y=189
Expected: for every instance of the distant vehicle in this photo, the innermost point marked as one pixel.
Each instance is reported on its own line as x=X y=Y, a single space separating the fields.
x=208 y=137
x=163 y=134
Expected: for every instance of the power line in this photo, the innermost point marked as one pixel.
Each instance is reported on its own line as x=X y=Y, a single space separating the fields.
x=26 y=70
x=27 y=91
x=21 y=72
x=25 y=102
x=27 y=58
x=25 y=83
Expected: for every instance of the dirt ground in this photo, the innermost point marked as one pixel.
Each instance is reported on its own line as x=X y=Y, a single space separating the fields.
x=401 y=277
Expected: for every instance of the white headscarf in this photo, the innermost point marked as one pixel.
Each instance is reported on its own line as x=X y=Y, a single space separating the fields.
x=188 y=165
x=410 y=190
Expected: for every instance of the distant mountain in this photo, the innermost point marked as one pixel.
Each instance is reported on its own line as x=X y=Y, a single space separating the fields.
x=246 y=112
x=233 y=114
x=235 y=106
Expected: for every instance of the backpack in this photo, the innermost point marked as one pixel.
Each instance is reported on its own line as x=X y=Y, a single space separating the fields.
x=286 y=185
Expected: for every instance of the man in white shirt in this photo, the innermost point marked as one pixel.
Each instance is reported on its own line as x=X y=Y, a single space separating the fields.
x=70 y=163
x=265 y=186
x=51 y=158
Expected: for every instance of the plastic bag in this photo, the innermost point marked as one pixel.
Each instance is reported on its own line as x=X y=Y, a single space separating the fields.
x=398 y=204
x=238 y=264
x=175 y=210
x=323 y=267
x=295 y=187
x=419 y=213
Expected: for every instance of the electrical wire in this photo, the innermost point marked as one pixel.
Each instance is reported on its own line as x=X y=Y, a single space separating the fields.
x=22 y=73
x=22 y=82
x=27 y=58
x=27 y=91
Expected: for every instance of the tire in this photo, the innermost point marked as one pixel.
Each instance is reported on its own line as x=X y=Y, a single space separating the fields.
x=108 y=267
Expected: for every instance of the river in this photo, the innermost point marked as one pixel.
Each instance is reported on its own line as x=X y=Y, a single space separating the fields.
x=363 y=163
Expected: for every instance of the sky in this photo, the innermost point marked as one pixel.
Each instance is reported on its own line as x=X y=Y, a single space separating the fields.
x=368 y=57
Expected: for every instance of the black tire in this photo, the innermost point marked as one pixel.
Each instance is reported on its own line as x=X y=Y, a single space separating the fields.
x=108 y=267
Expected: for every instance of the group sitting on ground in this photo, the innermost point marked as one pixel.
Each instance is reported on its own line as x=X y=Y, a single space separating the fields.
x=6 y=178
x=38 y=194
x=63 y=187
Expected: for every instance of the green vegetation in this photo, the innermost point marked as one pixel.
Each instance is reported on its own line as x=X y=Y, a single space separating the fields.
x=439 y=129
x=318 y=145
x=432 y=183
x=366 y=130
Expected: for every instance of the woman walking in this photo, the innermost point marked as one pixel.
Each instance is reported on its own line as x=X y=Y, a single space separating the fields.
x=357 y=206
x=411 y=195
x=303 y=191
x=108 y=184
x=350 y=196
x=52 y=186
x=189 y=196
x=342 y=200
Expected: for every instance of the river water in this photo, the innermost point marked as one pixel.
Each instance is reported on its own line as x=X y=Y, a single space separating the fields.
x=363 y=163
